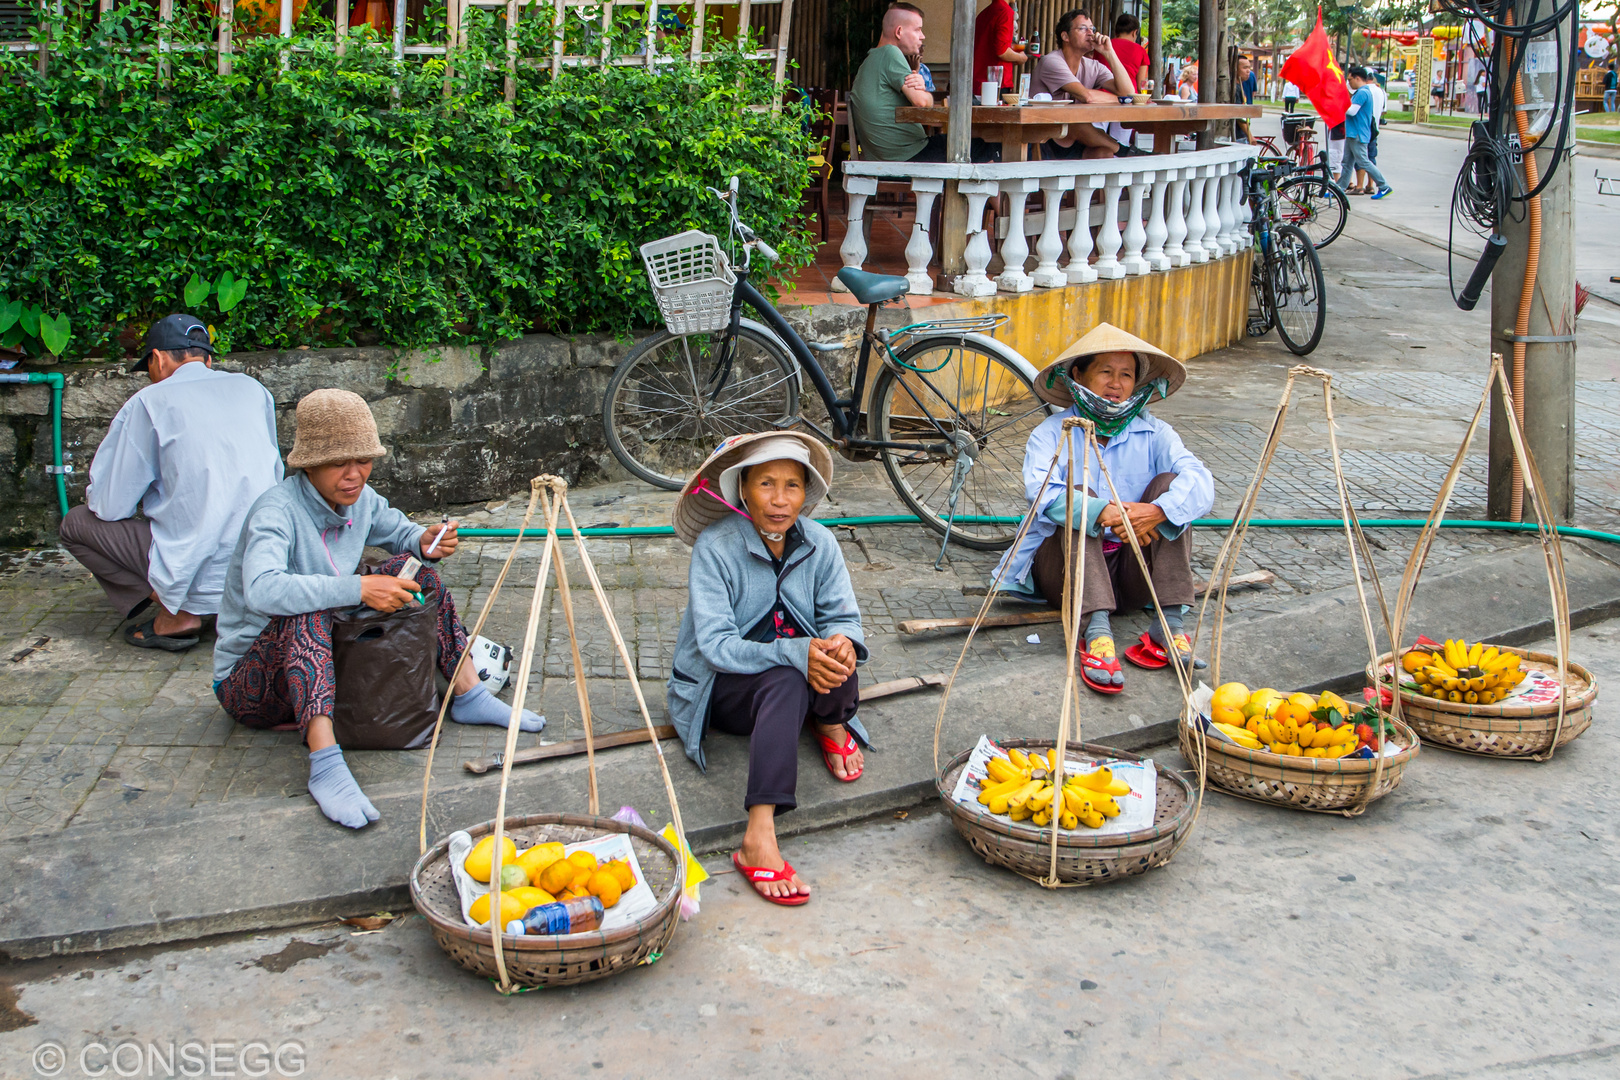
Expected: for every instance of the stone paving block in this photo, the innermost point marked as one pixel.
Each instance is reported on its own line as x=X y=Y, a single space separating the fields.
x=42 y=786
x=17 y=721
x=42 y=688
x=172 y=725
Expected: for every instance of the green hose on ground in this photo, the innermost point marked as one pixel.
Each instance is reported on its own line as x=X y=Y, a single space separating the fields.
x=1208 y=523
x=52 y=379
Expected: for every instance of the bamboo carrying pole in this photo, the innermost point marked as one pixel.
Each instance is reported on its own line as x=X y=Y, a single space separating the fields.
x=1551 y=545
x=552 y=491
x=1355 y=539
x=1071 y=611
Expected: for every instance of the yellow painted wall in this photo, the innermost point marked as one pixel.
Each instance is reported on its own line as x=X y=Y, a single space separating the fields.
x=1186 y=312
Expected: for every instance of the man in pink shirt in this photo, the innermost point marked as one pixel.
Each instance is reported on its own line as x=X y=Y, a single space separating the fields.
x=1084 y=68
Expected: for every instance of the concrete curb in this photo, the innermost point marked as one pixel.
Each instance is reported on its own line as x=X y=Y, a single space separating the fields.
x=195 y=872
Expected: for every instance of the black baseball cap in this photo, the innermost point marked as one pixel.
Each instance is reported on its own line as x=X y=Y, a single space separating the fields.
x=173 y=333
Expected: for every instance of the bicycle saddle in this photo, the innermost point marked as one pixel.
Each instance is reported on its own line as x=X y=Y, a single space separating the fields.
x=873 y=288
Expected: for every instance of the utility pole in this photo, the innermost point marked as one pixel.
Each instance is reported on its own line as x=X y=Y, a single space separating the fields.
x=958 y=140
x=1548 y=376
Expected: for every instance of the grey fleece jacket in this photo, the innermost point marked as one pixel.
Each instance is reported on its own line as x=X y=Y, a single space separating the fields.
x=296 y=554
x=730 y=588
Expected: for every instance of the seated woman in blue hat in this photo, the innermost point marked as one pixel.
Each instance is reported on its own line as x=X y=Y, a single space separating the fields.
x=771 y=633
x=1108 y=377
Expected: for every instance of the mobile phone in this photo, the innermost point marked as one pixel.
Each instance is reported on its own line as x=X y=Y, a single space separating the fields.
x=409 y=571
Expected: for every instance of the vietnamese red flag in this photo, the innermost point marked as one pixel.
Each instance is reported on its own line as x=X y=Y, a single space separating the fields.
x=1313 y=69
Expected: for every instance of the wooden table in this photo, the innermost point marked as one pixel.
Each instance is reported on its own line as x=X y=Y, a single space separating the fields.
x=1015 y=127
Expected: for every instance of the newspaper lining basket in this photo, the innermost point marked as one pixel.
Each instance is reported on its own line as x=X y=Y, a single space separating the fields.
x=692 y=281
x=1502 y=729
x=1082 y=859
x=552 y=961
x=1323 y=785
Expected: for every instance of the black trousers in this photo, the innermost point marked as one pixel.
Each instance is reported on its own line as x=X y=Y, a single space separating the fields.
x=771 y=709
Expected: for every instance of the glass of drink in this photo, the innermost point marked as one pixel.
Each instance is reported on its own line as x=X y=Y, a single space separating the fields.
x=993 y=74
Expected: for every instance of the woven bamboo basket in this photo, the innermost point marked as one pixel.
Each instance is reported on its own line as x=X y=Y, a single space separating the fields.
x=1503 y=729
x=524 y=960
x=570 y=958
x=1325 y=785
x=1082 y=859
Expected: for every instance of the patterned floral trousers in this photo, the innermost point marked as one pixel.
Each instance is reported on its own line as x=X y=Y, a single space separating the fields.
x=288 y=677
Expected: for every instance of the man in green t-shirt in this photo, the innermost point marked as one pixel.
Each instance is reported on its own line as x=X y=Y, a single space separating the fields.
x=888 y=80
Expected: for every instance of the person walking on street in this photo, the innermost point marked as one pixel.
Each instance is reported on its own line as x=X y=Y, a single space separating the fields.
x=1482 y=91
x=191 y=451
x=1358 y=129
x=1611 y=83
x=1290 y=96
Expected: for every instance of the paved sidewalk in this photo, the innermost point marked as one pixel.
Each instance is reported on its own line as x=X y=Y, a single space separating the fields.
x=117 y=766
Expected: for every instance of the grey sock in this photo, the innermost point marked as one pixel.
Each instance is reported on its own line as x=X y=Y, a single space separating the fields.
x=334 y=789
x=1098 y=626
x=479 y=706
x=1172 y=615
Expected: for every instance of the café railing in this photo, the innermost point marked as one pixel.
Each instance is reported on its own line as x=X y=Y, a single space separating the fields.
x=1151 y=213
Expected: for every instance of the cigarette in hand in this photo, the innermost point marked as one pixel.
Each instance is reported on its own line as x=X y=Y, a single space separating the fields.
x=439 y=536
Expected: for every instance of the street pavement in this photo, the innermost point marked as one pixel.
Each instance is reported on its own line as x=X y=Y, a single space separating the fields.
x=118 y=769
x=1423 y=168
x=1466 y=927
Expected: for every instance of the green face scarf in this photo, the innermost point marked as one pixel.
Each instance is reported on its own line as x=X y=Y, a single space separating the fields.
x=1111 y=417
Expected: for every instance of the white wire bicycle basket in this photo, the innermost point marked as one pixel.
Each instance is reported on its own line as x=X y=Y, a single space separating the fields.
x=692 y=281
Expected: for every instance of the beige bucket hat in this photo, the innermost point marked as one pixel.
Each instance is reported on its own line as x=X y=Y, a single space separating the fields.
x=1151 y=363
x=333 y=425
x=700 y=505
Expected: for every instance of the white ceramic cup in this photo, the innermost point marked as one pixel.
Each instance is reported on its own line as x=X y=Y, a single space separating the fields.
x=988 y=92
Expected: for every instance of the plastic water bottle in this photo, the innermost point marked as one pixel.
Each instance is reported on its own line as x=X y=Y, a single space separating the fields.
x=577 y=916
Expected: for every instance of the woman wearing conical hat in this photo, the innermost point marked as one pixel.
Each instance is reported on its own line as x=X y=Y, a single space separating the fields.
x=1108 y=377
x=771 y=633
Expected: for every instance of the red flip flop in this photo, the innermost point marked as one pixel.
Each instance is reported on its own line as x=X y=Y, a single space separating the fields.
x=752 y=874
x=828 y=746
x=1146 y=653
x=1109 y=664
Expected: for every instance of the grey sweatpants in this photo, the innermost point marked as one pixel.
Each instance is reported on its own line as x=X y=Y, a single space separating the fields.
x=116 y=552
x=1355 y=157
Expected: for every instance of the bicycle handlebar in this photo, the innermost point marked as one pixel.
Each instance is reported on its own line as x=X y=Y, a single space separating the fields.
x=750 y=241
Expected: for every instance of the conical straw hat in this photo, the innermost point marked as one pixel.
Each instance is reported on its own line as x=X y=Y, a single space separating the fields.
x=1151 y=363
x=696 y=509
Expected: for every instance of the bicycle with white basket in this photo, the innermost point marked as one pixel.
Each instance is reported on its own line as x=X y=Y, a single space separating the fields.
x=948 y=413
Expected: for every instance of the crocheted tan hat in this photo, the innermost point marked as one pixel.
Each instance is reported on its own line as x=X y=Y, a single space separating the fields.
x=333 y=425
x=701 y=505
x=1151 y=363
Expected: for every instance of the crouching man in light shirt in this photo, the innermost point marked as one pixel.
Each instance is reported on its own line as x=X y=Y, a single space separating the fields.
x=192 y=451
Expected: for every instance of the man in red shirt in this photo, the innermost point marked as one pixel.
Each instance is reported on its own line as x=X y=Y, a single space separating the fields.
x=994 y=42
x=1128 y=47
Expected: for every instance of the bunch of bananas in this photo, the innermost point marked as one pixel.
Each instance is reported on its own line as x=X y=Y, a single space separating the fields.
x=1022 y=786
x=1474 y=674
x=1310 y=739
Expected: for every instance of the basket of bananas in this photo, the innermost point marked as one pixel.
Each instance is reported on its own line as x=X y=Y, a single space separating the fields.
x=1490 y=699
x=1010 y=801
x=1309 y=752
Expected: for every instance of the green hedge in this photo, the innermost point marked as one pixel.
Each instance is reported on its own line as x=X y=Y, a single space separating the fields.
x=356 y=216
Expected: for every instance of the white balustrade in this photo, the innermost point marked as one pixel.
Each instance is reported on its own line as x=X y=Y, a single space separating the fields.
x=975 y=282
x=1015 y=248
x=1176 y=228
x=1109 y=238
x=918 y=249
x=1048 y=274
x=1195 y=215
x=1152 y=213
x=1135 y=234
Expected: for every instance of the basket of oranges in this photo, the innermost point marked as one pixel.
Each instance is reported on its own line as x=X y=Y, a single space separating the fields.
x=552 y=899
x=1309 y=752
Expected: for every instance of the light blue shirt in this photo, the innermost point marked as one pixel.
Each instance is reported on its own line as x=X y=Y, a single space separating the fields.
x=1146 y=448
x=192 y=453
x=1358 y=120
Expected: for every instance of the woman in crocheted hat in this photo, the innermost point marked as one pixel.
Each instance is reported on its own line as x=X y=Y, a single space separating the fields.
x=1108 y=377
x=296 y=563
x=771 y=633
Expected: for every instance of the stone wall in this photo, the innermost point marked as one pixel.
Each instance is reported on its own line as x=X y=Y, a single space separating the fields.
x=462 y=424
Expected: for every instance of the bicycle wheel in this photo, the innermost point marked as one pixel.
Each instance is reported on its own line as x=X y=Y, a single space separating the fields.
x=672 y=400
x=956 y=394
x=1297 y=290
x=1260 y=314
x=1316 y=206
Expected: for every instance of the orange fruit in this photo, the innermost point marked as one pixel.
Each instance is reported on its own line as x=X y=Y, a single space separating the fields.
x=583 y=860
x=581 y=880
x=604 y=885
x=558 y=876
x=538 y=858
x=1232 y=695
x=1225 y=714
x=1291 y=710
x=621 y=870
